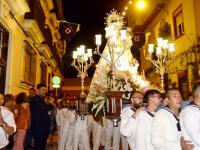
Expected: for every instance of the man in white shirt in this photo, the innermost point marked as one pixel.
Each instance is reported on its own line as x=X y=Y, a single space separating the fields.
x=165 y=130
x=7 y=124
x=190 y=118
x=144 y=120
x=128 y=122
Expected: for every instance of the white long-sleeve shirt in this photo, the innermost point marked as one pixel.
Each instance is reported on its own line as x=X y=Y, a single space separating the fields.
x=142 y=133
x=164 y=132
x=190 y=124
x=128 y=125
x=8 y=117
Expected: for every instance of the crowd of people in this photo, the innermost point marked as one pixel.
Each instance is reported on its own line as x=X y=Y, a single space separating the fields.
x=153 y=121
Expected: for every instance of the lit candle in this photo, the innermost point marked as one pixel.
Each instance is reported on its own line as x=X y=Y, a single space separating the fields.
x=160 y=42
x=121 y=104
x=112 y=104
x=85 y=57
x=171 y=47
x=151 y=48
x=83 y=47
x=114 y=37
x=123 y=35
x=165 y=44
x=158 y=50
x=80 y=51
x=109 y=31
x=107 y=104
x=89 y=51
x=98 y=39
x=75 y=54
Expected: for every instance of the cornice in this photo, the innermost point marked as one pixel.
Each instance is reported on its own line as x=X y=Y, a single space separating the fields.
x=17 y=7
x=33 y=30
x=45 y=51
x=4 y=10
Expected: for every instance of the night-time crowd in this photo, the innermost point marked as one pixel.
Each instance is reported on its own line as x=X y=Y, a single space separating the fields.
x=153 y=121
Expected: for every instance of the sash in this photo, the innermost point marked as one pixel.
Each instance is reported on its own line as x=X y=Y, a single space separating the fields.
x=133 y=109
x=150 y=114
x=177 y=119
x=194 y=105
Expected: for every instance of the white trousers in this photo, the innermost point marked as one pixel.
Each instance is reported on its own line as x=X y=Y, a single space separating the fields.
x=81 y=140
x=63 y=136
x=124 y=143
x=63 y=128
x=112 y=135
x=96 y=132
x=70 y=136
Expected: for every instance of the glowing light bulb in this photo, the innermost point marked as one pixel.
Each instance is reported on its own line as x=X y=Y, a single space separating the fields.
x=140 y=4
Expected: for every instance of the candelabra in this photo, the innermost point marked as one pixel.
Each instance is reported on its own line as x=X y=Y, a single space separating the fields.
x=117 y=45
x=164 y=56
x=82 y=62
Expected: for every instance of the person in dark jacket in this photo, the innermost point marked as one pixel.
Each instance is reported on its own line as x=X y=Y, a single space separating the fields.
x=40 y=121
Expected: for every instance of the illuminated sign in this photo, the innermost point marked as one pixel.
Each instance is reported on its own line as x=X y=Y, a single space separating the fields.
x=56 y=80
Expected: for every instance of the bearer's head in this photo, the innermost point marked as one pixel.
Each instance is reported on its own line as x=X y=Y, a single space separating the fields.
x=153 y=97
x=137 y=99
x=196 y=92
x=174 y=98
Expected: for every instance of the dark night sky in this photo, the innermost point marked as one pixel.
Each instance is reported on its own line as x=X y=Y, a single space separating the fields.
x=90 y=14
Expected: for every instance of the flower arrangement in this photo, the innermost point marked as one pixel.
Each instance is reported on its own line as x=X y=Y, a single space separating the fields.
x=125 y=81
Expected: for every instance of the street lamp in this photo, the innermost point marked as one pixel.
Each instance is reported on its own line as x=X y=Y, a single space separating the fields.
x=164 y=56
x=82 y=62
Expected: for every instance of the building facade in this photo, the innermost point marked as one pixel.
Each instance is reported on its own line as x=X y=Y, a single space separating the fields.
x=30 y=44
x=178 y=22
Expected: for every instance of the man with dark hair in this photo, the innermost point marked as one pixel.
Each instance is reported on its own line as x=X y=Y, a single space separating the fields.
x=190 y=118
x=40 y=122
x=142 y=137
x=165 y=129
x=128 y=121
x=32 y=92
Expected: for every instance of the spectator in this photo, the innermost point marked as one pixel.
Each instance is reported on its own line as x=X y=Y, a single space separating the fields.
x=7 y=124
x=52 y=114
x=22 y=119
x=31 y=93
x=29 y=135
x=9 y=102
x=40 y=121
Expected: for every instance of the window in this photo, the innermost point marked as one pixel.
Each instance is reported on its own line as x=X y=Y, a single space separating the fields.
x=30 y=65
x=3 y=57
x=43 y=68
x=178 y=22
